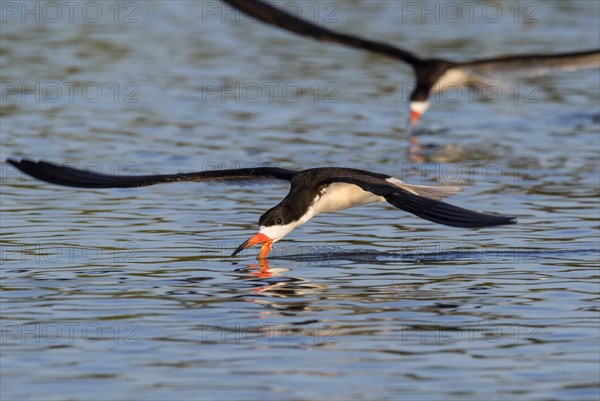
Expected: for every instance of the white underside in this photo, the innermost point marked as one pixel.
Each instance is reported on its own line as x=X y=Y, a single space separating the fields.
x=340 y=196
x=454 y=77
x=336 y=197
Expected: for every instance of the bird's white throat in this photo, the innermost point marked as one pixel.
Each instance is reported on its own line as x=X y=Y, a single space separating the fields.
x=278 y=232
x=419 y=106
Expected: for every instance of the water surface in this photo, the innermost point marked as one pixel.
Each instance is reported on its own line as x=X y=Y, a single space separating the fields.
x=130 y=293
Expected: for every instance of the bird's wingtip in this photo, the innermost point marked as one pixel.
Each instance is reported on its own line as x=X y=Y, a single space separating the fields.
x=17 y=163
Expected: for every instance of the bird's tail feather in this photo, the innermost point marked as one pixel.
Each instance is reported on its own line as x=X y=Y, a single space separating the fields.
x=432 y=192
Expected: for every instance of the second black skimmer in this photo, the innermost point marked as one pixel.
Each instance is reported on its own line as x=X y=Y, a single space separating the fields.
x=313 y=191
x=431 y=74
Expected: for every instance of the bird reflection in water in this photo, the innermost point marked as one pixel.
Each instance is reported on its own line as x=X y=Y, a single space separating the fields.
x=419 y=152
x=274 y=287
x=262 y=269
x=415 y=153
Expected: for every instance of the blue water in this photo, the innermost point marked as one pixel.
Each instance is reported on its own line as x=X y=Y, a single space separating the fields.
x=130 y=293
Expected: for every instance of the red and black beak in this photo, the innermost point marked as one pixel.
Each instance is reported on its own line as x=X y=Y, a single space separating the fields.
x=256 y=239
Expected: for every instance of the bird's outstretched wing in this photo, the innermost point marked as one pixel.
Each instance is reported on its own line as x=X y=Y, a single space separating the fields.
x=426 y=207
x=533 y=64
x=71 y=177
x=444 y=213
x=274 y=16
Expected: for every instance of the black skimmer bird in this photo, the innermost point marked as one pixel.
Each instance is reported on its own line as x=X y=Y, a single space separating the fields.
x=433 y=74
x=313 y=191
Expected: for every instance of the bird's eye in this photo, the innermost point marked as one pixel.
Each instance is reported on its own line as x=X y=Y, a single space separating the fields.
x=278 y=221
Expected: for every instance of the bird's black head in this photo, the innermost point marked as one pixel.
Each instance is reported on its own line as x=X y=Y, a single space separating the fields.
x=428 y=73
x=420 y=93
x=273 y=217
x=273 y=227
x=280 y=220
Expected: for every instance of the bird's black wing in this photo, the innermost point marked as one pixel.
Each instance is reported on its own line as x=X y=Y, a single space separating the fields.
x=274 y=16
x=445 y=213
x=426 y=208
x=534 y=64
x=71 y=177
